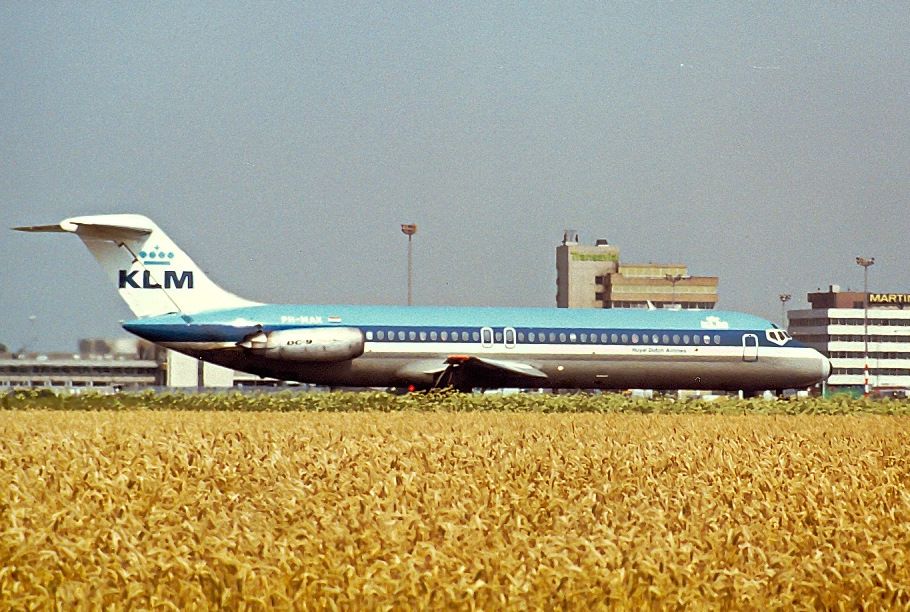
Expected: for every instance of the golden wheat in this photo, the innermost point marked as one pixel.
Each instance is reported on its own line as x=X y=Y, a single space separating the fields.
x=142 y=509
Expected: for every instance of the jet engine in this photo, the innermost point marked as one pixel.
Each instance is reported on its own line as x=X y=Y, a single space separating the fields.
x=310 y=344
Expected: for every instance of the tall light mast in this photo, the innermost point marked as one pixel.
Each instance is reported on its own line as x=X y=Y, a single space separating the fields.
x=409 y=229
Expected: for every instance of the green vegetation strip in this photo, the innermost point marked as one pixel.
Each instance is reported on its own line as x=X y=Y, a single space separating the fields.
x=443 y=401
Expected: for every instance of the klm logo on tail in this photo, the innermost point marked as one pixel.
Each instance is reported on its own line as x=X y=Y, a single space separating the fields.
x=172 y=280
x=156 y=257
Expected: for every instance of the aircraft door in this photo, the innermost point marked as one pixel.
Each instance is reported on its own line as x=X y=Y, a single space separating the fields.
x=750 y=347
x=486 y=337
x=508 y=337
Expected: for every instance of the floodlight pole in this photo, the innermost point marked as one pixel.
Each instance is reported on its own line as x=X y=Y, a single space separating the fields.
x=409 y=229
x=784 y=298
x=865 y=262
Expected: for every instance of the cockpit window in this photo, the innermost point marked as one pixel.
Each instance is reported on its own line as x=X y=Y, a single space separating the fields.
x=778 y=336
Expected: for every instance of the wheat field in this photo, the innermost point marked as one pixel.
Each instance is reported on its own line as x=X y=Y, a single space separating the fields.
x=492 y=510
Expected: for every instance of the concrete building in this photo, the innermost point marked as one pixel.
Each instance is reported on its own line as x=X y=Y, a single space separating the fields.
x=593 y=276
x=73 y=373
x=834 y=325
x=104 y=364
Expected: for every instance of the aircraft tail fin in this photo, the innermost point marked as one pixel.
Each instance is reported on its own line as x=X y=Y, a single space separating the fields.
x=152 y=274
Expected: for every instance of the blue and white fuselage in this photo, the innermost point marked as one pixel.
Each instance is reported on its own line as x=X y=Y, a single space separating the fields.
x=343 y=345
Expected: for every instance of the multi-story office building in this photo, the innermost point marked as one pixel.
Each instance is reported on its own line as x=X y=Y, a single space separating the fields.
x=67 y=372
x=835 y=326
x=594 y=277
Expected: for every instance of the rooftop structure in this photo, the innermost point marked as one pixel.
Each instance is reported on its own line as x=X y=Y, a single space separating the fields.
x=592 y=276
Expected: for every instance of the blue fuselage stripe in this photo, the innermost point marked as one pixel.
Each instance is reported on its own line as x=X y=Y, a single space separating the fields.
x=387 y=334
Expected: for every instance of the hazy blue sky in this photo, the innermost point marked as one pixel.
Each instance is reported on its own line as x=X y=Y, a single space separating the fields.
x=282 y=146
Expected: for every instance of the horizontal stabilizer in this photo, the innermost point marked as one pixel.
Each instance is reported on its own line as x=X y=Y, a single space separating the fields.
x=92 y=231
x=40 y=228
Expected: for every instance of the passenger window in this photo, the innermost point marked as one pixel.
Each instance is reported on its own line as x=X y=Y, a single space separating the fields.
x=675 y=338
x=584 y=337
x=412 y=335
x=475 y=336
x=655 y=339
x=401 y=335
x=716 y=338
x=552 y=337
x=433 y=336
x=645 y=338
x=572 y=337
x=380 y=334
x=445 y=336
x=634 y=338
x=531 y=336
x=625 y=338
x=707 y=339
x=423 y=336
x=614 y=338
x=685 y=338
x=562 y=337
x=498 y=336
x=666 y=338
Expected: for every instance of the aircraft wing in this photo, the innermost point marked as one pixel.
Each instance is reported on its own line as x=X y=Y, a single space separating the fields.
x=468 y=371
x=496 y=366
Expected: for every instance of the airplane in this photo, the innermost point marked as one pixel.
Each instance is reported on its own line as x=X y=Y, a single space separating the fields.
x=179 y=307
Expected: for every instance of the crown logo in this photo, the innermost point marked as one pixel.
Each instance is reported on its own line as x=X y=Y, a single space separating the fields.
x=156 y=257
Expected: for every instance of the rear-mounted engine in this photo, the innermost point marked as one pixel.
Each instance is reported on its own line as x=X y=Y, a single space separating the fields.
x=311 y=344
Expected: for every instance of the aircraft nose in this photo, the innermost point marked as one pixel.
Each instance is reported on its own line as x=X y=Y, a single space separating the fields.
x=826 y=368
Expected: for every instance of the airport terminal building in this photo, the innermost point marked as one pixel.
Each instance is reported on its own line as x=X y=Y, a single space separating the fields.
x=834 y=325
x=592 y=276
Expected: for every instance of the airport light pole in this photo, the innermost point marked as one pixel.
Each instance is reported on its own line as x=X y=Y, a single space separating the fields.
x=409 y=229
x=784 y=298
x=673 y=278
x=33 y=340
x=865 y=262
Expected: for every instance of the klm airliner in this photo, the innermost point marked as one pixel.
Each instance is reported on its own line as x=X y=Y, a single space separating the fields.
x=177 y=306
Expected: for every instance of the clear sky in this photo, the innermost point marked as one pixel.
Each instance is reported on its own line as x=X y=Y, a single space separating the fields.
x=282 y=145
